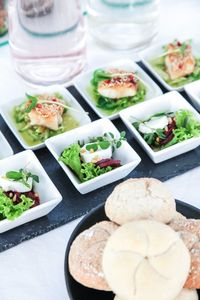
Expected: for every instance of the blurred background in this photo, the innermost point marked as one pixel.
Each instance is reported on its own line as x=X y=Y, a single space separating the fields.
x=53 y=41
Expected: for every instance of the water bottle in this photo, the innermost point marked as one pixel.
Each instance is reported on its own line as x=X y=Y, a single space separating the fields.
x=123 y=24
x=47 y=40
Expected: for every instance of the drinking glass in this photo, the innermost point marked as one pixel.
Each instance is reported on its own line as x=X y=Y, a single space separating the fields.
x=47 y=39
x=123 y=24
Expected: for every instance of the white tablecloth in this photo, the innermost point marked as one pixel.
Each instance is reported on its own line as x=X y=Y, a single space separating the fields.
x=34 y=270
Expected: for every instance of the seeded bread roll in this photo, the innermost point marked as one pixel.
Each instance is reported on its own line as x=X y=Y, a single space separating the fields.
x=143 y=198
x=185 y=294
x=188 y=238
x=179 y=216
x=146 y=260
x=193 y=280
x=86 y=255
x=191 y=225
x=191 y=238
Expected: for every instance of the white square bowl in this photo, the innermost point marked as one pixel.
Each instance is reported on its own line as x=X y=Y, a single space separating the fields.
x=7 y=107
x=48 y=193
x=171 y=101
x=82 y=83
x=155 y=51
x=5 y=148
x=125 y=153
x=193 y=91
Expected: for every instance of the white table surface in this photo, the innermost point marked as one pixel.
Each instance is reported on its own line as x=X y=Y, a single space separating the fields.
x=34 y=270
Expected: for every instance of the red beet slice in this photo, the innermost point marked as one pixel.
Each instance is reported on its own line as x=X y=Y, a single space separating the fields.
x=167 y=140
x=34 y=196
x=109 y=163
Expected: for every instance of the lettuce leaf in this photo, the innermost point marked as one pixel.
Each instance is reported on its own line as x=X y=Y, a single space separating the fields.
x=90 y=171
x=187 y=127
x=71 y=157
x=11 y=211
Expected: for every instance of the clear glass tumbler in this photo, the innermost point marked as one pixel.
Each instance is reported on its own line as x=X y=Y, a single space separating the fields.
x=47 y=39
x=123 y=24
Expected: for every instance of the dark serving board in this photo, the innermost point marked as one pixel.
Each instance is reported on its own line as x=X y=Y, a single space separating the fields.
x=77 y=291
x=74 y=204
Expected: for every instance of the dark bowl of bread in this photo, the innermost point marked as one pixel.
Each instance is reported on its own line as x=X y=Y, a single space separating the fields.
x=140 y=244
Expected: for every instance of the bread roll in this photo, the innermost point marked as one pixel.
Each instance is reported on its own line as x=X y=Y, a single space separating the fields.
x=143 y=198
x=146 y=260
x=191 y=238
x=193 y=280
x=85 y=255
x=185 y=294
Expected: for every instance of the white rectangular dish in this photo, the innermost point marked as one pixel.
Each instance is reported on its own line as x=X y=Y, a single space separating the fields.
x=6 y=111
x=172 y=102
x=193 y=91
x=129 y=158
x=48 y=193
x=82 y=84
x=5 y=148
x=155 y=51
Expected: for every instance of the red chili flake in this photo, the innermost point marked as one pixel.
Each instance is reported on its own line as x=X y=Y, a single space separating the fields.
x=107 y=81
x=179 y=44
x=54 y=100
x=180 y=66
x=39 y=105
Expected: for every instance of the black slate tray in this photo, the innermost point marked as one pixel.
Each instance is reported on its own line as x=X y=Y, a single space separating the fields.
x=74 y=204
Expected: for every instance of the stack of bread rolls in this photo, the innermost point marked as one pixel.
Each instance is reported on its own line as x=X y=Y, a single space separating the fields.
x=146 y=251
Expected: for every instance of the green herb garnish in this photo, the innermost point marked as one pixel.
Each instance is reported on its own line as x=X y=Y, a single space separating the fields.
x=33 y=103
x=22 y=176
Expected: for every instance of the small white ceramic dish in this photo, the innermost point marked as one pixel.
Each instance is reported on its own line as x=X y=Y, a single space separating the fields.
x=172 y=102
x=5 y=148
x=129 y=158
x=193 y=91
x=48 y=193
x=7 y=107
x=82 y=84
x=154 y=52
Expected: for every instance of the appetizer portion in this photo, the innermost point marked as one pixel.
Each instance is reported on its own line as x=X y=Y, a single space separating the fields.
x=17 y=193
x=115 y=89
x=42 y=116
x=177 y=65
x=94 y=158
x=165 y=129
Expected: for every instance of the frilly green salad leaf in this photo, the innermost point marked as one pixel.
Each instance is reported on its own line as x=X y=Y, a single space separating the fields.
x=11 y=211
x=90 y=171
x=71 y=157
x=187 y=126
